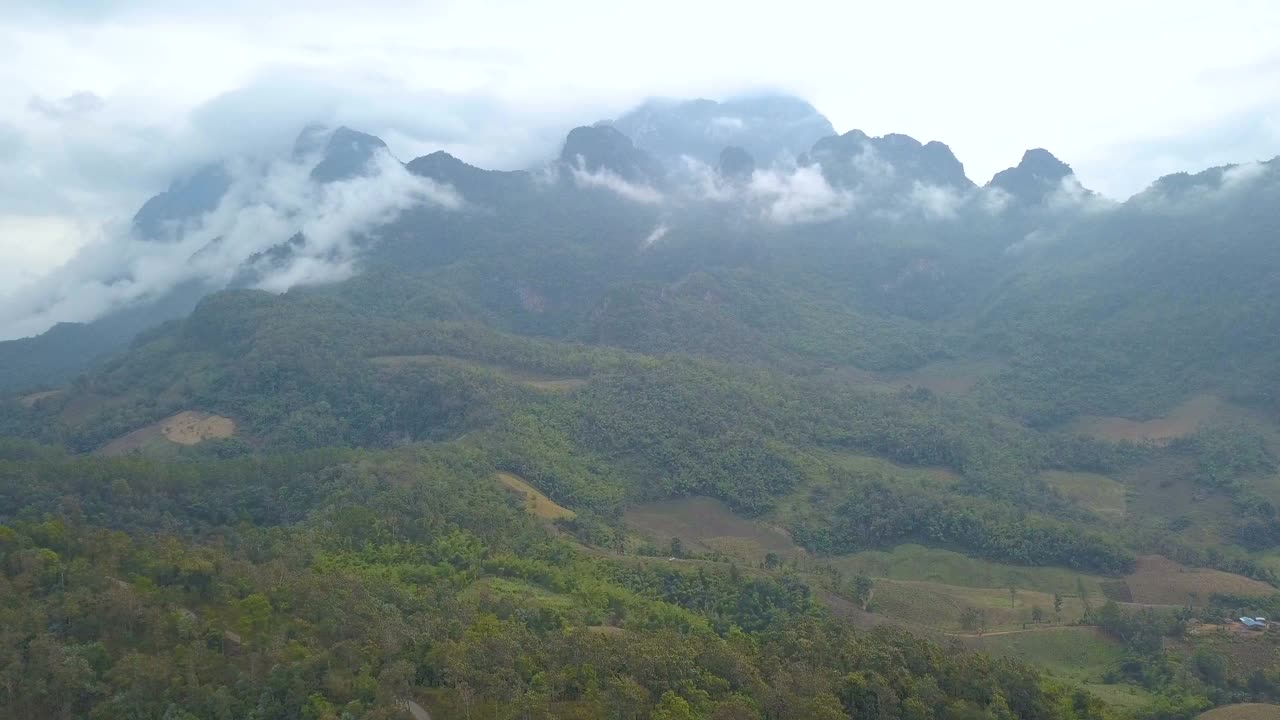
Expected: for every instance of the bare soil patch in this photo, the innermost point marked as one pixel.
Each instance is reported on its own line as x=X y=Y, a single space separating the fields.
x=190 y=427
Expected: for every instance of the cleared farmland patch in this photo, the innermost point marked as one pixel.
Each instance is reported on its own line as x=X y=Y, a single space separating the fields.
x=536 y=502
x=1079 y=653
x=1094 y=492
x=1245 y=711
x=706 y=524
x=30 y=401
x=1159 y=581
x=187 y=428
x=919 y=563
x=1179 y=422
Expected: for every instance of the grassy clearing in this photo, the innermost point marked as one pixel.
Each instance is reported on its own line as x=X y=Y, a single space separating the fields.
x=189 y=427
x=706 y=524
x=1166 y=488
x=535 y=501
x=30 y=401
x=920 y=563
x=1096 y=493
x=528 y=378
x=1082 y=654
x=1122 y=696
x=1246 y=711
x=1160 y=581
x=1182 y=420
x=941 y=606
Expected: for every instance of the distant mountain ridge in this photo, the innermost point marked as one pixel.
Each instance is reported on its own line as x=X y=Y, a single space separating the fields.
x=752 y=145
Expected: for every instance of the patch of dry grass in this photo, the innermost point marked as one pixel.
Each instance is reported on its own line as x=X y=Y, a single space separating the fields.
x=536 y=502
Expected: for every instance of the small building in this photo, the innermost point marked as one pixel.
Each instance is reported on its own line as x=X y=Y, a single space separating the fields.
x=1258 y=623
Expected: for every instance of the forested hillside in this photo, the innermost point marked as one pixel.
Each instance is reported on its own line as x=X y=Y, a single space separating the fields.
x=661 y=429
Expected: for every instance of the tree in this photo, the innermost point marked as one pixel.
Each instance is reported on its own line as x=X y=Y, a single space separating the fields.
x=1013 y=595
x=1057 y=606
x=677 y=547
x=974 y=619
x=772 y=561
x=1037 y=615
x=673 y=707
x=1083 y=592
x=862 y=588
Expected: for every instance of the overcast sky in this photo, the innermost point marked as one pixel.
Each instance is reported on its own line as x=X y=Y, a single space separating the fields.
x=103 y=101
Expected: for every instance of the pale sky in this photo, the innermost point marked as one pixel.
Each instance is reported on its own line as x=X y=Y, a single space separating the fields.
x=103 y=101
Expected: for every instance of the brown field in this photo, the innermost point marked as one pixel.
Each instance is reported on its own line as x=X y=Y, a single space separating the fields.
x=528 y=378
x=705 y=524
x=536 y=502
x=1247 y=711
x=29 y=401
x=189 y=427
x=1182 y=420
x=1160 y=581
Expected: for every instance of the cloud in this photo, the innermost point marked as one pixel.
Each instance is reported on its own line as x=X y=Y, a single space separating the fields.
x=658 y=233
x=800 y=196
x=993 y=200
x=727 y=123
x=934 y=201
x=1243 y=175
x=608 y=180
x=1071 y=196
x=78 y=103
x=264 y=207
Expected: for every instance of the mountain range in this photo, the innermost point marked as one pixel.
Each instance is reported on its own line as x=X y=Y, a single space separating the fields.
x=714 y=414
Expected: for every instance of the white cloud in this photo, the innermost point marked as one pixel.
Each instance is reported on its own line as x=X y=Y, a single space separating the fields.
x=605 y=179
x=800 y=196
x=935 y=202
x=993 y=200
x=658 y=233
x=263 y=208
x=1070 y=195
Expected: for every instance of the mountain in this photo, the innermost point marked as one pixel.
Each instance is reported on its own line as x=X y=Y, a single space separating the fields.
x=600 y=148
x=1035 y=179
x=769 y=127
x=347 y=154
x=893 y=163
x=162 y=217
x=610 y=439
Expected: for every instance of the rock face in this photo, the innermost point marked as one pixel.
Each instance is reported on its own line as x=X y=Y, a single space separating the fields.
x=475 y=184
x=892 y=163
x=768 y=127
x=601 y=147
x=161 y=217
x=346 y=155
x=736 y=164
x=1037 y=176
